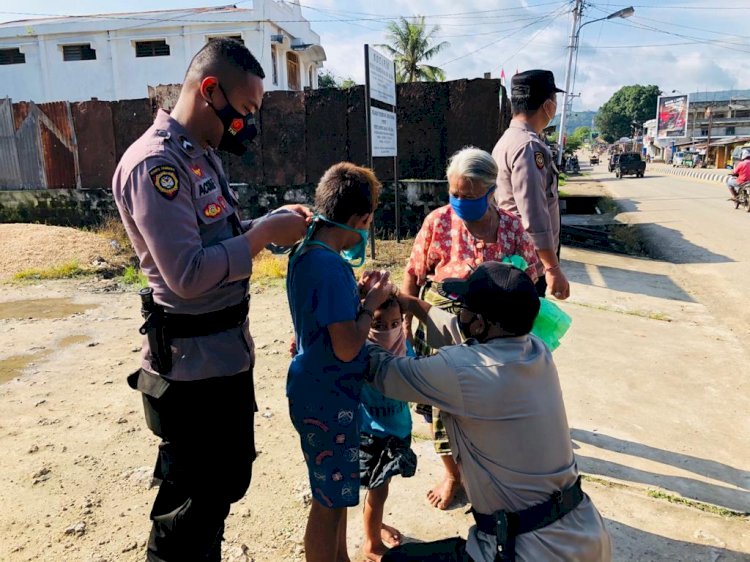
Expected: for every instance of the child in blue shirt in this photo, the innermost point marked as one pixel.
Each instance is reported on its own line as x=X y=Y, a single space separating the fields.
x=331 y=326
x=385 y=447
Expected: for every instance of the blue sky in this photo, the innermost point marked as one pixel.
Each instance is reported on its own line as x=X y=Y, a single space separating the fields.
x=684 y=45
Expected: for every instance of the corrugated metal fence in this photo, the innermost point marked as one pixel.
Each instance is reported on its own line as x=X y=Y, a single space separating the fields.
x=78 y=144
x=37 y=146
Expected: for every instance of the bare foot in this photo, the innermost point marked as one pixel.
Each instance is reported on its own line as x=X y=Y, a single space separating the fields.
x=390 y=536
x=441 y=496
x=374 y=552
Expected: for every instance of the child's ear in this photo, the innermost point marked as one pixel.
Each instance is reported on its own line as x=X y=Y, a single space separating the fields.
x=360 y=221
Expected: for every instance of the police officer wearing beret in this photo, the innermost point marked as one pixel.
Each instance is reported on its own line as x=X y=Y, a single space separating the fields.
x=527 y=175
x=196 y=376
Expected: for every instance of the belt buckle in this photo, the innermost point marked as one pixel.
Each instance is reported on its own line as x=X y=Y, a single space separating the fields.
x=501 y=530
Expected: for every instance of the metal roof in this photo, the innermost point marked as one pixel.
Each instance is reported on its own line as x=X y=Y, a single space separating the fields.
x=146 y=17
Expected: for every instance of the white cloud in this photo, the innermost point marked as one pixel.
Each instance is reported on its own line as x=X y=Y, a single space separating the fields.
x=601 y=71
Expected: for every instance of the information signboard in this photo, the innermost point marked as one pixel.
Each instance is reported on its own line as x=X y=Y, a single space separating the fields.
x=383 y=130
x=382 y=77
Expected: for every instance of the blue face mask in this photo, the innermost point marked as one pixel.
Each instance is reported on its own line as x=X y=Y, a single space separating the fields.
x=354 y=255
x=470 y=210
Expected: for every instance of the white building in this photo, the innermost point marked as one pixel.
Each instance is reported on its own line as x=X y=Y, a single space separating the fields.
x=117 y=56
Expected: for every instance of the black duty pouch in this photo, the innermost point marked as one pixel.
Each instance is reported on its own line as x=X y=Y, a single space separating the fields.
x=152 y=387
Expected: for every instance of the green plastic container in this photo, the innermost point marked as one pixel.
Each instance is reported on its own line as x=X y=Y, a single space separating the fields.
x=553 y=322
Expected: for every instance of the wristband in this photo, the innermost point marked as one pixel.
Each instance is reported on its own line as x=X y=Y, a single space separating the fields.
x=553 y=268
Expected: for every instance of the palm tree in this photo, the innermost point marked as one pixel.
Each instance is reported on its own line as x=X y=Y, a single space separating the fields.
x=410 y=44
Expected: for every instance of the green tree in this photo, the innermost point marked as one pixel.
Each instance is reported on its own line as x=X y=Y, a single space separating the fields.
x=572 y=144
x=629 y=103
x=326 y=79
x=582 y=133
x=411 y=45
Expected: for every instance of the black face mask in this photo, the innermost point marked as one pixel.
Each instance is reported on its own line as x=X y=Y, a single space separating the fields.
x=239 y=130
x=465 y=328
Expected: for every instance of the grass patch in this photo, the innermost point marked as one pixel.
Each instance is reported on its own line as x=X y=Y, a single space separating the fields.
x=706 y=507
x=562 y=179
x=268 y=268
x=68 y=270
x=660 y=316
x=607 y=205
x=671 y=498
x=392 y=256
x=132 y=275
x=112 y=229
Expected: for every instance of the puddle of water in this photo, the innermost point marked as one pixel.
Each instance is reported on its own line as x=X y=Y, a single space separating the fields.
x=11 y=367
x=41 y=309
x=14 y=365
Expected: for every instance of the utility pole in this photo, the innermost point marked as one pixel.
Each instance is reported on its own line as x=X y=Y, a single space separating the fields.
x=710 y=115
x=572 y=46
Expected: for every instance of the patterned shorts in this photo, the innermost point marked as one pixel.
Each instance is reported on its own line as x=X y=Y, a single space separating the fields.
x=329 y=436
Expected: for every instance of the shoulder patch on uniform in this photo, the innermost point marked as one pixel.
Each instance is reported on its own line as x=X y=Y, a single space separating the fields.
x=212 y=210
x=165 y=180
x=539 y=159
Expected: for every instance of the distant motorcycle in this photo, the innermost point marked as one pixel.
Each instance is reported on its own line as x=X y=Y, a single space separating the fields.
x=743 y=197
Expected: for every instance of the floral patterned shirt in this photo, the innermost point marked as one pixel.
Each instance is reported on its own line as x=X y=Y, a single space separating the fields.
x=444 y=247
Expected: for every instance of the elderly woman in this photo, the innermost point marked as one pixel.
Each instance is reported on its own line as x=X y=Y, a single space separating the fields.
x=452 y=242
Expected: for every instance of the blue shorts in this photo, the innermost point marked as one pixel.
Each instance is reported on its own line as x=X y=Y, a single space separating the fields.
x=329 y=436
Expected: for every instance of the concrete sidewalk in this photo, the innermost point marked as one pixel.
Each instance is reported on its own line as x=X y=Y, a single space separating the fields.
x=657 y=406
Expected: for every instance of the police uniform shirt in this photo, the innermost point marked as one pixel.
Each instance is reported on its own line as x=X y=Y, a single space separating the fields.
x=169 y=194
x=527 y=184
x=503 y=410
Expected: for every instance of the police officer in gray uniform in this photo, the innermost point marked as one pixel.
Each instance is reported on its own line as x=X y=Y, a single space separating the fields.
x=196 y=376
x=527 y=176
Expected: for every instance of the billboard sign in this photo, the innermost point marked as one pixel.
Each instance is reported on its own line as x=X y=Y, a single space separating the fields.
x=672 y=116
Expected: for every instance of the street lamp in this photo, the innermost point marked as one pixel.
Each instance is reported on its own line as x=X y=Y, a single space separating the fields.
x=575 y=33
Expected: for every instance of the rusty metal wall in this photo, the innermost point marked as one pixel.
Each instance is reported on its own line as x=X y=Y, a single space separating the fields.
x=301 y=134
x=10 y=169
x=95 y=137
x=59 y=113
x=59 y=162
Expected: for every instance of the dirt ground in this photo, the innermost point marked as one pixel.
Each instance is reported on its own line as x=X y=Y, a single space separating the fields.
x=75 y=473
x=37 y=246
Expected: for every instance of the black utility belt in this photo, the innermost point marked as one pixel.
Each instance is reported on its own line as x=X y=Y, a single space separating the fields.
x=198 y=325
x=506 y=526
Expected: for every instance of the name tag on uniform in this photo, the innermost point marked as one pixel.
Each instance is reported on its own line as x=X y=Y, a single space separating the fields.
x=205 y=187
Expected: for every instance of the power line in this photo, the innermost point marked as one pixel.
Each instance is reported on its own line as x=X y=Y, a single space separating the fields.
x=672 y=7
x=548 y=16
x=471 y=13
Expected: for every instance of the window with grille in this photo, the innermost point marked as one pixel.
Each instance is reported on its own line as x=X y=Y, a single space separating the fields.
x=704 y=132
x=237 y=38
x=78 y=52
x=730 y=131
x=151 y=49
x=12 y=56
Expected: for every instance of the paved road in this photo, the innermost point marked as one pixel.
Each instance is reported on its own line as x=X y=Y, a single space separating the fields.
x=691 y=223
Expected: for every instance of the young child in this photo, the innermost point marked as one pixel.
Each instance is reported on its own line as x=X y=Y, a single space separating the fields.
x=331 y=326
x=385 y=436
